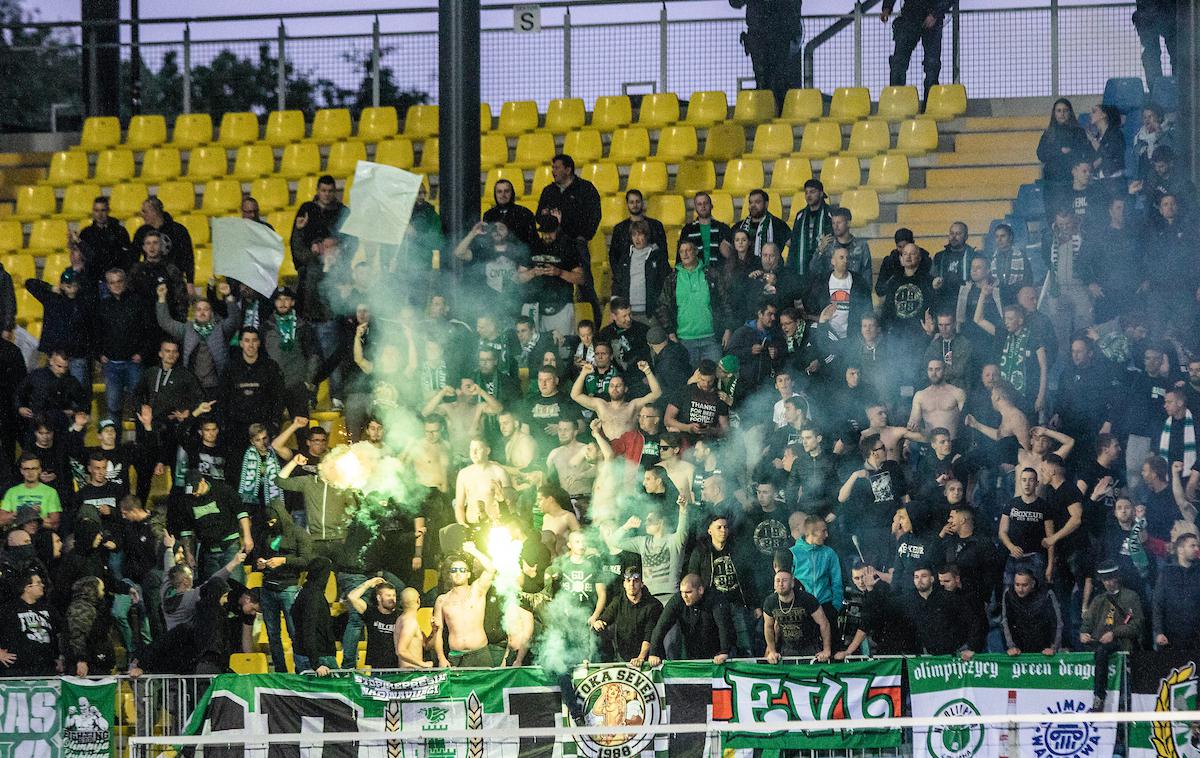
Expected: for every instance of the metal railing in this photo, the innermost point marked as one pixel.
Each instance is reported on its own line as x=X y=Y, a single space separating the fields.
x=192 y=66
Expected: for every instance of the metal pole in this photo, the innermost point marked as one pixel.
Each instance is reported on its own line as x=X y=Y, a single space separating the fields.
x=955 y=35
x=1187 y=73
x=858 y=39
x=1054 y=48
x=187 y=68
x=93 y=82
x=135 y=59
x=375 y=63
x=662 y=49
x=567 y=53
x=281 y=71
x=458 y=120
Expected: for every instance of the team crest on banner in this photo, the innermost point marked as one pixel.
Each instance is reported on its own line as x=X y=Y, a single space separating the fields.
x=1164 y=682
x=617 y=696
x=955 y=741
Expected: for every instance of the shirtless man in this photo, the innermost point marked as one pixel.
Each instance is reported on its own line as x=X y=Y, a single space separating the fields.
x=519 y=445
x=680 y=471
x=430 y=456
x=410 y=640
x=1012 y=421
x=893 y=436
x=463 y=409
x=460 y=612
x=617 y=414
x=475 y=492
x=558 y=520
x=938 y=405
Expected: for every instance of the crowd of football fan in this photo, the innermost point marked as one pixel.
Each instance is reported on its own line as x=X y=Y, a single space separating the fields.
x=767 y=446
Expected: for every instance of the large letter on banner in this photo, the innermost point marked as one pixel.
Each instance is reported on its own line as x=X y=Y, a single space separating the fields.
x=996 y=684
x=247 y=251
x=1164 y=681
x=381 y=202
x=29 y=722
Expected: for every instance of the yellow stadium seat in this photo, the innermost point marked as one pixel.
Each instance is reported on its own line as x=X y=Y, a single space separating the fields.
x=869 y=137
x=20 y=268
x=534 y=149
x=29 y=308
x=375 y=124
x=754 y=106
x=177 y=197
x=146 y=132
x=132 y=223
x=694 y=176
x=790 y=173
x=207 y=162
x=67 y=167
x=46 y=236
x=898 y=103
x=668 y=209
x=725 y=142
x=100 y=133
x=238 y=128
x=802 y=105
x=743 y=175
x=648 y=176
x=248 y=663
x=946 y=101
x=611 y=112
x=612 y=212
x=425 y=615
x=12 y=237
x=221 y=197
x=604 y=175
x=493 y=150
x=629 y=144
x=840 y=173
x=35 y=330
x=849 y=104
x=863 y=205
x=421 y=121
x=510 y=173
x=253 y=161
x=53 y=267
x=343 y=157
x=707 y=108
x=126 y=199
x=658 y=109
x=114 y=166
x=888 y=172
x=485 y=118
x=284 y=127
x=271 y=192
x=397 y=152
x=204 y=264
x=200 y=231
x=542 y=178
x=34 y=201
x=820 y=138
x=917 y=136
x=722 y=203
x=565 y=114
x=430 y=156
x=77 y=201
x=192 y=130
x=331 y=125
x=677 y=144
x=518 y=117
x=300 y=159
x=161 y=164
x=584 y=145
x=773 y=139
x=306 y=188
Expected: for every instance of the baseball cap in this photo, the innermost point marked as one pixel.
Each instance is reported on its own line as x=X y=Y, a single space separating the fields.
x=105 y=423
x=1108 y=571
x=27 y=514
x=69 y=276
x=730 y=364
x=283 y=291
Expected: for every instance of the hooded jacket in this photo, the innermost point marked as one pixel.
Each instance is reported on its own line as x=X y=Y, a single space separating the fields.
x=65 y=324
x=253 y=391
x=44 y=392
x=282 y=539
x=818 y=571
x=300 y=362
x=1176 y=607
x=88 y=627
x=517 y=218
x=706 y=628
x=668 y=307
x=314 y=625
x=1031 y=624
x=702 y=563
x=176 y=245
x=217 y=340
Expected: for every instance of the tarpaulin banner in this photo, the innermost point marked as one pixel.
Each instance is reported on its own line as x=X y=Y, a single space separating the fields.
x=1163 y=681
x=57 y=718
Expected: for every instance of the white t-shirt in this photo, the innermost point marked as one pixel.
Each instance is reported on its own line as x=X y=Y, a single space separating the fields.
x=839 y=295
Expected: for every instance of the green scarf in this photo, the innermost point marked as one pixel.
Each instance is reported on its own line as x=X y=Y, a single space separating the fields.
x=287 y=330
x=203 y=329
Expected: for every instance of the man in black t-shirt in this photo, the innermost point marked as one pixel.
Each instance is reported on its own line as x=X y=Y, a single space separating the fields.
x=1065 y=509
x=699 y=411
x=1023 y=528
x=550 y=271
x=97 y=498
x=791 y=619
x=1099 y=480
x=869 y=499
x=542 y=411
x=379 y=621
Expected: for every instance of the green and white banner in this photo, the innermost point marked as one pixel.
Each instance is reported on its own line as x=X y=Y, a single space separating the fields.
x=57 y=718
x=994 y=684
x=1163 y=681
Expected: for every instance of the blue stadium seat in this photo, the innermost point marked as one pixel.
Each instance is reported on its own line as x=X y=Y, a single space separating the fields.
x=1030 y=204
x=1164 y=93
x=1124 y=92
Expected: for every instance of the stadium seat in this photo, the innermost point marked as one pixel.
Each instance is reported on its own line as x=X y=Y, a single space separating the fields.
x=343 y=157
x=271 y=192
x=493 y=150
x=1030 y=204
x=485 y=118
x=29 y=308
x=77 y=201
x=534 y=149
x=248 y=663
x=306 y=188
x=133 y=222
x=669 y=209
x=397 y=151
x=284 y=128
x=898 y=103
x=840 y=173
x=754 y=106
x=430 y=156
x=612 y=212
x=820 y=138
x=863 y=205
x=12 y=237
x=517 y=117
x=20 y=268
x=585 y=145
x=34 y=201
x=421 y=121
x=238 y=128
x=192 y=130
x=648 y=176
x=100 y=133
x=658 y=109
x=542 y=178
x=629 y=144
x=946 y=101
x=743 y=175
x=695 y=175
x=199 y=229
x=375 y=124
x=774 y=139
x=300 y=159
x=331 y=125
x=888 y=172
x=207 y=162
x=46 y=236
x=802 y=105
x=790 y=173
x=611 y=112
x=114 y=166
x=869 y=137
x=706 y=108
x=603 y=174
x=725 y=142
x=850 y=104
x=511 y=173
x=253 y=161
x=126 y=199
x=1125 y=93
x=564 y=115
x=722 y=203
x=179 y=196
x=161 y=164
x=917 y=136
x=146 y=132
x=53 y=267
x=67 y=167
x=204 y=264
x=677 y=144
x=221 y=197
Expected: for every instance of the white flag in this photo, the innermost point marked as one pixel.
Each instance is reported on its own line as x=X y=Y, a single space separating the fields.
x=247 y=251
x=381 y=202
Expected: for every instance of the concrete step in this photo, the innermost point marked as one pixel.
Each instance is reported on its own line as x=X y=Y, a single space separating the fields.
x=947 y=212
x=996 y=191
x=987 y=142
x=1005 y=123
x=969 y=177
x=933 y=232
x=987 y=158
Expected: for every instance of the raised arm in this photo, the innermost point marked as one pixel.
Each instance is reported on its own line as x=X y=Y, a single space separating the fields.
x=360 y=358
x=606 y=451
x=985 y=293
x=355 y=596
x=577 y=393
x=484 y=582
x=278 y=444
x=652 y=381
